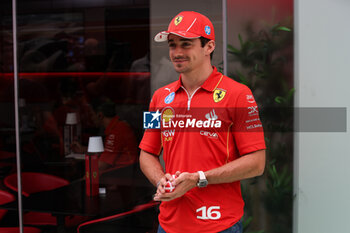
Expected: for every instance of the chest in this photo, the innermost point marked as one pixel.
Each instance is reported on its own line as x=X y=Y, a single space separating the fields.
x=201 y=105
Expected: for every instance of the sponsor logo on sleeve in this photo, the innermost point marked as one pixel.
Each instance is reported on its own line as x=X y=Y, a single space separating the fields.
x=250 y=99
x=253 y=110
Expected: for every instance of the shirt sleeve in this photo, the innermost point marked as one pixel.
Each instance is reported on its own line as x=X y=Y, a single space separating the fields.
x=247 y=128
x=151 y=141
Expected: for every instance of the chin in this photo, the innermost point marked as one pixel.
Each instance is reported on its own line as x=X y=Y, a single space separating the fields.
x=180 y=69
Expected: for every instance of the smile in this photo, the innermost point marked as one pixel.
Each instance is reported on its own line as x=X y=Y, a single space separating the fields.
x=179 y=60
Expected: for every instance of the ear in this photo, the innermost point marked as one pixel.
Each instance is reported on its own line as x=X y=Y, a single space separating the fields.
x=210 y=46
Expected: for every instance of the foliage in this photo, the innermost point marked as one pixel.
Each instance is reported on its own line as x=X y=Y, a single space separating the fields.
x=246 y=224
x=262 y=61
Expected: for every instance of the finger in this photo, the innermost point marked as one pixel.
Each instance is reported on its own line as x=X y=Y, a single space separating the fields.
x=181 y=178
x=161 y=189
x=156 y=197
x=162 y=181
x=168 y=177
x=162 y=184
x=177 y=174
x=164 y=197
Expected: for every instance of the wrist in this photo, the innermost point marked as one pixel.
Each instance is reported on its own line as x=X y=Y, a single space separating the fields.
x=195 y=178
x=202 y=181
x=158 y=181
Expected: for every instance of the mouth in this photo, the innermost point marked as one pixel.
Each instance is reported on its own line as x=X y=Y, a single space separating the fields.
x=179 y=60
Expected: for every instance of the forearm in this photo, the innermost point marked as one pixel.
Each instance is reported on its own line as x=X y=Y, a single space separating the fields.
x=151 y=167
x=247 y=166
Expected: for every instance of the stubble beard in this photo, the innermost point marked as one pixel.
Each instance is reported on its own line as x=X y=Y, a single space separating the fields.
x=181 y=68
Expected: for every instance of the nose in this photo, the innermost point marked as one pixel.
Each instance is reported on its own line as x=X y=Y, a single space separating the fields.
x=176 y=51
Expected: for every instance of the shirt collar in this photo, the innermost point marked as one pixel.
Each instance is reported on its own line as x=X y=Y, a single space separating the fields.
x=210 y=84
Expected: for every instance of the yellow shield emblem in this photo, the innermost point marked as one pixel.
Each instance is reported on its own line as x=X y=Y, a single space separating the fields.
x=178 y=20
x=219 y=95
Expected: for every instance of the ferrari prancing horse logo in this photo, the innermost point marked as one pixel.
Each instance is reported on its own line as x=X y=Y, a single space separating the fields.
x=178 y=20
x=218 y=95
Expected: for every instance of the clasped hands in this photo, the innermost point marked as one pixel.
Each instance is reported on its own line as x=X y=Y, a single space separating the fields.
x=183 y=182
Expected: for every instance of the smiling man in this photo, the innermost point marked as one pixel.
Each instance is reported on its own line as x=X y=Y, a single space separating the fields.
x=204 y=162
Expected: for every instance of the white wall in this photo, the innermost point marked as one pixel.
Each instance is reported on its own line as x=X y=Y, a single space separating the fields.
x=322 y=79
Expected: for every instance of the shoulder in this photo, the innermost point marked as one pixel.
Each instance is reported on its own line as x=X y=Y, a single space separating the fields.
x=232 y=87
x=164 y=91
x=238 y=94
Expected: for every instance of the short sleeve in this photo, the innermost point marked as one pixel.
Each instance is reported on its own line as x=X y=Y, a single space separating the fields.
x=151 y=141
x=247 y=128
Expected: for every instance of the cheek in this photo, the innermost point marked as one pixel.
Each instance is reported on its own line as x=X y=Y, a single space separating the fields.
x=171 y=54
x=196 y=56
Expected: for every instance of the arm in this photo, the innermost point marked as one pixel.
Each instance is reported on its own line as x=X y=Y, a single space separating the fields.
x=153 y=170
x=245 y=167
x=151 y=167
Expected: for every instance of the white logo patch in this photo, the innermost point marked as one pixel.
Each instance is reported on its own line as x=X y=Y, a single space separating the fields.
x=211 y=115
x=250 y=99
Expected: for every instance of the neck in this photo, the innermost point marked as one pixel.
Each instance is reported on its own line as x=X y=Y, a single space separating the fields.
x=193 y=80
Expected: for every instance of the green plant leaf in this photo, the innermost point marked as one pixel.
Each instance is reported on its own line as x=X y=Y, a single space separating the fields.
x=290 y=93
x=242 y=78
x=240 y=40
x=232 y=49
x=282 y=28
x=280 y=99
x=246 y=222
x=256 y=67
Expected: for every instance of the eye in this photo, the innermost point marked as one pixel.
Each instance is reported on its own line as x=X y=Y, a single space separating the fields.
x=171 y=45
x=186 y=44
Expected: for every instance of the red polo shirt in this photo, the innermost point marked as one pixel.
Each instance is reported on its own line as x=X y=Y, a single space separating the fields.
x=120 y=147
x=216 y=125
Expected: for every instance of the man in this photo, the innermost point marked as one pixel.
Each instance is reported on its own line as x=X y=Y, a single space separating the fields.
x=210 y=159
x=120 y=147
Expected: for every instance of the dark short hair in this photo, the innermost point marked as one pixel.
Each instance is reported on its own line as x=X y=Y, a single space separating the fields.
x=106 y=107
x=205 y=41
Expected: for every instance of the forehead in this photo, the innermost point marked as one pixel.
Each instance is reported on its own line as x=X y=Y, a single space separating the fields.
x=175 y=38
